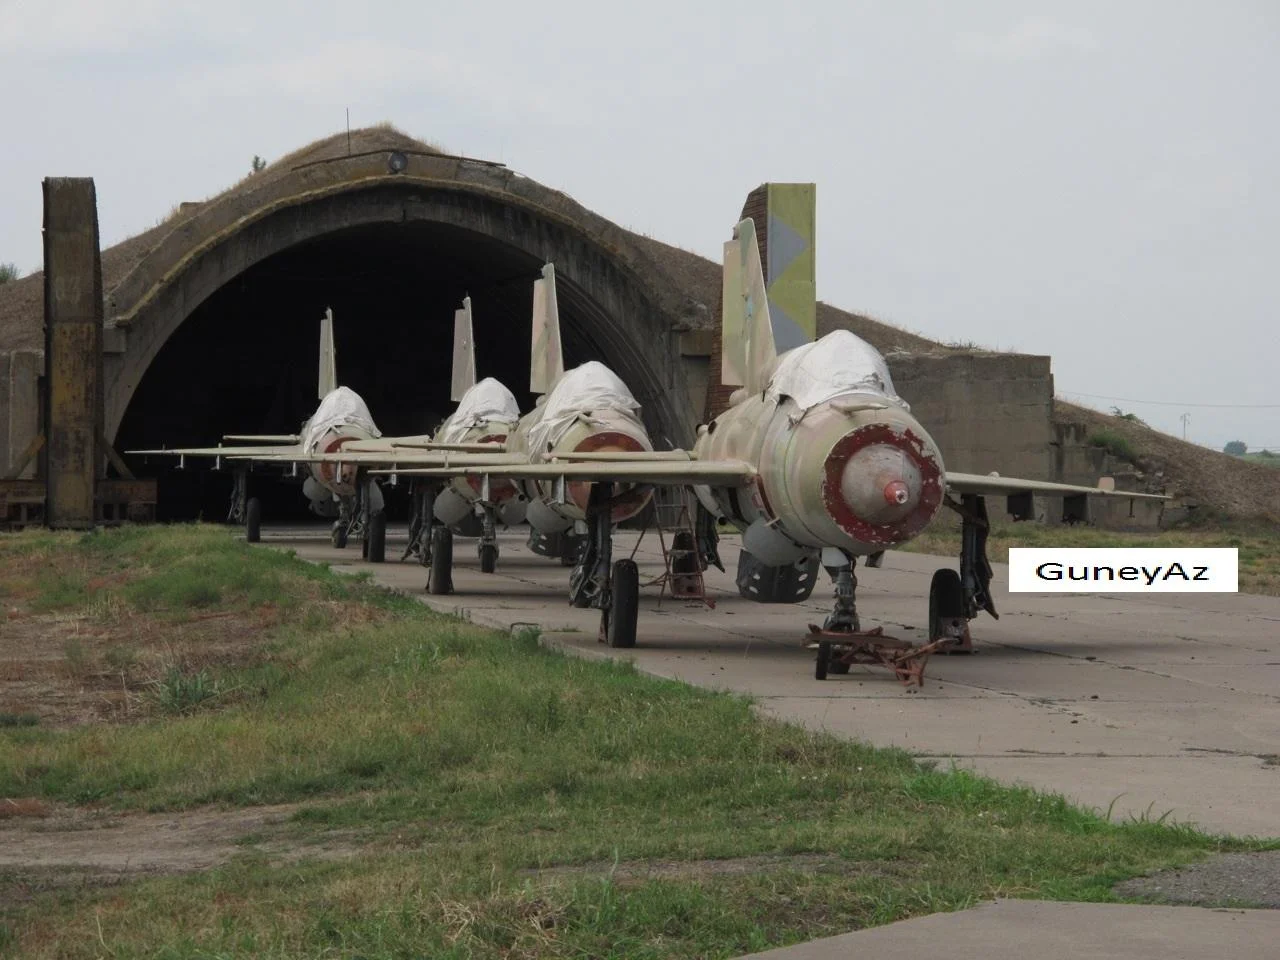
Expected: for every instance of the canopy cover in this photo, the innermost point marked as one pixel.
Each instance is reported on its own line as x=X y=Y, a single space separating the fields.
x=338 y=408
x=484 y=401
x=582 y=390
x=840 y=363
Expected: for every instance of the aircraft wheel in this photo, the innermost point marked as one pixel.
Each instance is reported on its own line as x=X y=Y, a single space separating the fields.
x=338 y=537
x=488 y=557
x=440 y=578
x=625 y=610
x=946 y=603
x=253 y=520
x=823 y=663
x=375 y=538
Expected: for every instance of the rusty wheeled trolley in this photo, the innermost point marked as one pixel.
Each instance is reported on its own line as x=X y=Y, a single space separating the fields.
x=838 y=650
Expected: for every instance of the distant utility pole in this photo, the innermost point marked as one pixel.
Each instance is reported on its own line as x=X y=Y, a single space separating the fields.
x=1185 y=418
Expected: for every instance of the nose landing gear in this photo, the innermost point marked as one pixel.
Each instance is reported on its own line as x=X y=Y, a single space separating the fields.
x=841 y=642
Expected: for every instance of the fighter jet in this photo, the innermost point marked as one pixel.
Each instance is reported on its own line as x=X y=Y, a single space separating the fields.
x=586 y=412
x=817 y=461
x=486 y=413
x=341 y=418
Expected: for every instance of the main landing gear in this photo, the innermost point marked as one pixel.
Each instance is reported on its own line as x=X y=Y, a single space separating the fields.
x=488 y=547
x=612 y=587
x=245 y=509
x=361 y=516
x=422 y=511
x=440 y=575
x=429 y=540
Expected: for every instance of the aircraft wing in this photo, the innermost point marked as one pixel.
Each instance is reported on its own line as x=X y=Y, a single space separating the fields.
x=399 y=456
x=991 y=485
x=658 y=472
x=263 y=437
x=382 y=444
x=424 y=442
x=262 y=452
x=494 y=447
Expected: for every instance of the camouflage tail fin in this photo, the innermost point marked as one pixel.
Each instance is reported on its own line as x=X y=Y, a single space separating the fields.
x=546 y=361
x=464 y=352
x=746 y=334
x=328 y=381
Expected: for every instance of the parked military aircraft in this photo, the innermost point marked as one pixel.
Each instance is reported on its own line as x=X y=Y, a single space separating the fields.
x=817 y=461
x=487 y=411
x=584 y=412
x=342 y=417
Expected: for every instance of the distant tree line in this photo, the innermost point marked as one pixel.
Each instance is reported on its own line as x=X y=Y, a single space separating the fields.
x=8 y=271
x=1236 y=448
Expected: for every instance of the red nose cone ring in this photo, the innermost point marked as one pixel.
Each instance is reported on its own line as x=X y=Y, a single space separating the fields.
x=896 y=493
x=627 y=504
x=881 y=484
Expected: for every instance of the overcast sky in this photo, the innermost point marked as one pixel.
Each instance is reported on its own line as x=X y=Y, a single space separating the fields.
x=1096 y=181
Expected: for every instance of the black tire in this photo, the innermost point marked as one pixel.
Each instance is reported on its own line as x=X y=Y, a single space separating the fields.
x=440 y=577
x=823 y=663
x=338 y=536
x=488 y=557
x=946 y=601
x=625 y=610
x=375 y=538
x=253 y=520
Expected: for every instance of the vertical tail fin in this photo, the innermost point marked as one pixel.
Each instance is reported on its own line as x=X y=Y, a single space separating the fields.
x=746 y=334
x=328 y=360
x=733 y=337
x=464 y=352
x=546 y=361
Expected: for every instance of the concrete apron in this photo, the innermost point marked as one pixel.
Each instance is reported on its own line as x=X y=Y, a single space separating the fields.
x=1144 y=706
x=1017 y=929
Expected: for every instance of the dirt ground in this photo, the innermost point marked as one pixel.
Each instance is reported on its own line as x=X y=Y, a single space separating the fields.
x=72 y=668
x=43 y=848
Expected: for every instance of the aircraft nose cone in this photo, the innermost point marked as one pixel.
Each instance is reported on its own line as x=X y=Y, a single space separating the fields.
x=881 y=484
x=896 y=492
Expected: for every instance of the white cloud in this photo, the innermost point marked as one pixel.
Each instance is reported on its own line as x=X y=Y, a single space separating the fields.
x=1031 y=39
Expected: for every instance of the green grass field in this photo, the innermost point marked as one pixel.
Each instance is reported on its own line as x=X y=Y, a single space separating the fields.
x=485 y=797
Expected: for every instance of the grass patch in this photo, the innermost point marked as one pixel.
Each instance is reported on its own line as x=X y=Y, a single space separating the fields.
x=475 y=767
x=182 y=693
x=1114 y=444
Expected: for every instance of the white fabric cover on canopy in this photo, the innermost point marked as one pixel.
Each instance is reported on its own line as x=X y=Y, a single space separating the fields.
x=341 y=406
x=584 y=389
x=486 y=400
x=840 y=363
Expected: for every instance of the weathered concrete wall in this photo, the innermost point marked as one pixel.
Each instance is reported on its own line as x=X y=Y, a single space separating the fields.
x=1076 y=460
x=986 y=411
x=20 y=372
